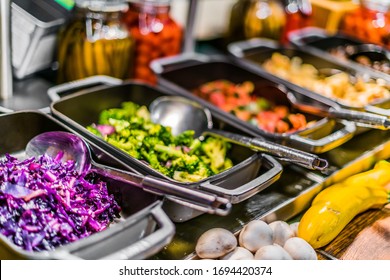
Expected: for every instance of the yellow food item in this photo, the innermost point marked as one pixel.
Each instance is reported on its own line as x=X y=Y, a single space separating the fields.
x=353 y=91
x=334 y=207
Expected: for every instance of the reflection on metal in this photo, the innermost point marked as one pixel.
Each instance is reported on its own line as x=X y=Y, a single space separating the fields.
x=189 y=39
x=5 y=50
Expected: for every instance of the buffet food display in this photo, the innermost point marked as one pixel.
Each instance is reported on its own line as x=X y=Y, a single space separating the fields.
x=324 y=94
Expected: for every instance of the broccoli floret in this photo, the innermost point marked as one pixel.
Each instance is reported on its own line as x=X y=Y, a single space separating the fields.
x=160 y=131
x=130 y=108
x=121 y=144
x=118 y=124
x=151 y=141
x=170 y=151
x=185 y=138
x=228 y=164
x=195 y=146
x=143 y=113
x=94 y=130
x=154 y=162
x=114 y=113
x=215 y=149
x=183 y=176
x=186 y=162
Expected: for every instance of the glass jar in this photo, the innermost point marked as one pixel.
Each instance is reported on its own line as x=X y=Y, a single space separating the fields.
x=156 y=34
x=264 y=19
x=95 y=42
x=298 y=15
x=370 y=23
x=235 y=30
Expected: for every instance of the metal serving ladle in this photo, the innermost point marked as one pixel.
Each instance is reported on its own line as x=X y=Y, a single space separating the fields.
x=320 y=108
x=183 y=114
x=75 y=148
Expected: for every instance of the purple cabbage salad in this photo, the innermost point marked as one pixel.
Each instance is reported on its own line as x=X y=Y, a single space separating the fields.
x=45 y=203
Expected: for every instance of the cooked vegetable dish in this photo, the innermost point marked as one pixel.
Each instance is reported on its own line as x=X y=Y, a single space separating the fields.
x=45 y=203
x=181 y=157
x=345 y=52
x=239 y=100
x=352 y=91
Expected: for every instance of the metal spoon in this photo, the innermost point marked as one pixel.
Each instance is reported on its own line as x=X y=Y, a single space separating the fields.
x=74 y=148
x=320 y=108
x=183 y=114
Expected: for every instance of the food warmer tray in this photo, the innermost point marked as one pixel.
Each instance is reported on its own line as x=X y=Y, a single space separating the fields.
x=144 y=230
x=184 y=73
x=253 y=172
x=288 y=197
x=254 y=52
x=318 y=42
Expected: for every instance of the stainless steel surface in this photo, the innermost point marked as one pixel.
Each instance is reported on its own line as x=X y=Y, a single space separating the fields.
x=183 y=114
x=55 y=93
x=6 y=87
x=34 y=24
x=189 y=36
x=74 y=147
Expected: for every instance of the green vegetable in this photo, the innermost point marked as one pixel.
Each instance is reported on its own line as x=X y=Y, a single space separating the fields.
x=181 y=157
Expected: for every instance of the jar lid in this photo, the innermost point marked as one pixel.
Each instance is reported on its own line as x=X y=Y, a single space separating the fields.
x=102 y=5
x=151 y=2
x=378 y=5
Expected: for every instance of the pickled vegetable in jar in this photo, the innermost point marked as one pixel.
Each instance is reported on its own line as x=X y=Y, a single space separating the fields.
x=264 y=19
x=298 y=15
x=370 y=22
x=95 y=42
x=235 y=31
x=156 y=34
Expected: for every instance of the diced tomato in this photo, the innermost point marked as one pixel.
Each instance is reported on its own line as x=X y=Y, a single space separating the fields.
x=218 y=98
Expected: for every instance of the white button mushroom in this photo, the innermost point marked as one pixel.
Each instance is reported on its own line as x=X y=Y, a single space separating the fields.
x=215 y=243
x=281 y=231
x=299 y=249
x=294 y=228
x=255 y=234
x=239 y=253
x=272 y=252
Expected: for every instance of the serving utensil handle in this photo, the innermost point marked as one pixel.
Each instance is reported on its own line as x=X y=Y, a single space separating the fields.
x=284 y=153
x=184 y=195
x=361 y=118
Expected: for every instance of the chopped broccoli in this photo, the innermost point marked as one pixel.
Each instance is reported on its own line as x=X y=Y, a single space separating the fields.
x=180 y=157
x=195 y=146
x=130 y=108
x=171 y=151
x=185 y=138
x=118 y=124
x=183 y=176
x=215 y=149
x=143 y=113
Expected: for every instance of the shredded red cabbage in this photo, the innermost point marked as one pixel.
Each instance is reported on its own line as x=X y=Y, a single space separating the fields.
x=45 y=203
